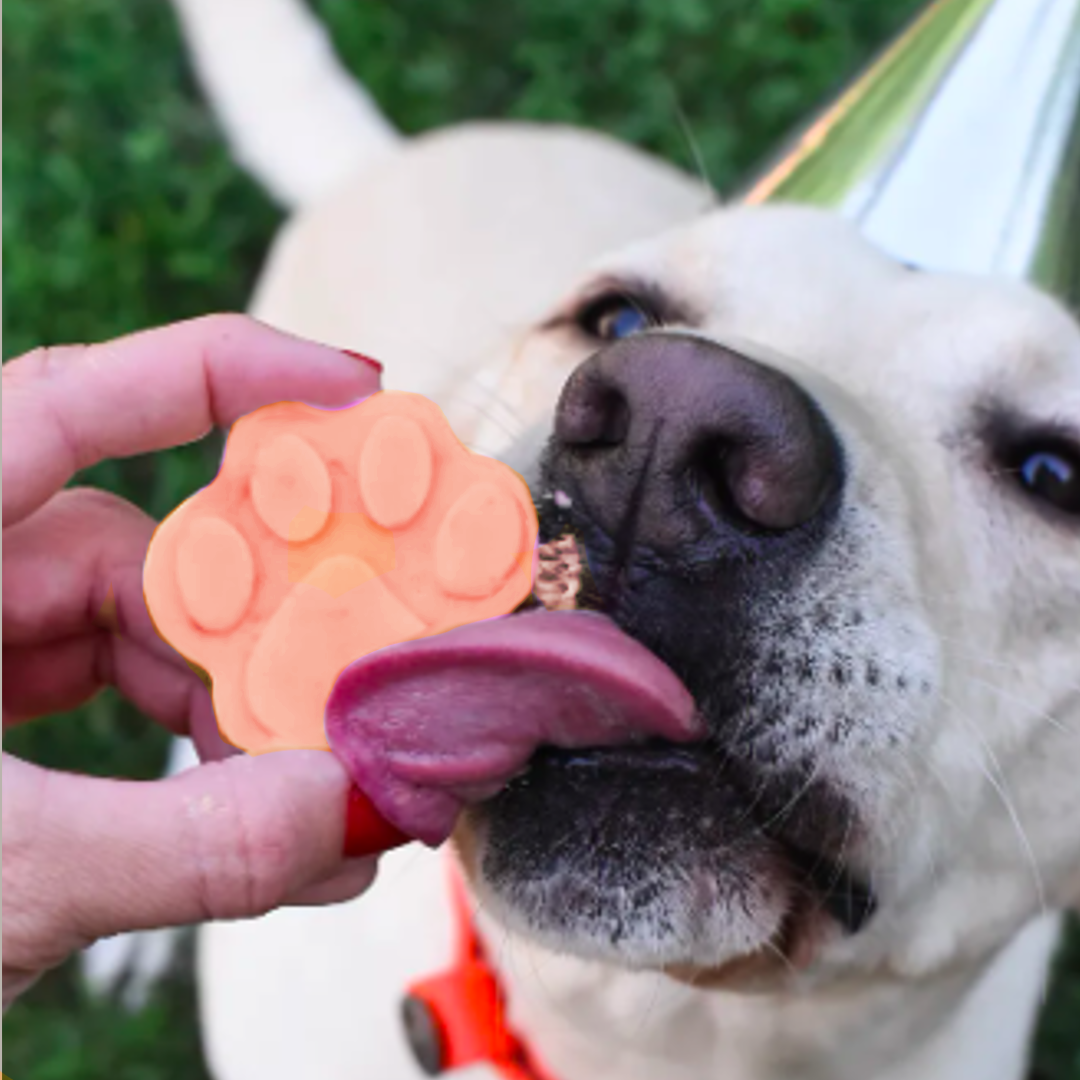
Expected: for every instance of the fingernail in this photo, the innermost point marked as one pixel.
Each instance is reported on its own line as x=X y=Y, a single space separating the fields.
x=367 y=832
x=367 y=360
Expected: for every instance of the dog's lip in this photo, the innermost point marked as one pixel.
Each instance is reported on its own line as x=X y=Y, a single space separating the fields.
x=430 y=725
x=825 y=882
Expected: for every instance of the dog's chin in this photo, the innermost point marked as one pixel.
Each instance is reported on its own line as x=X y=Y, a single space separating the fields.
x=664 y=858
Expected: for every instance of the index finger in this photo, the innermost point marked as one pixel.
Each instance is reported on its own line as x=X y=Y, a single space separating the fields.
x=66 y=408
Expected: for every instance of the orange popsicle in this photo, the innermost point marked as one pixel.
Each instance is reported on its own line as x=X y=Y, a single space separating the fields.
x=328 y=534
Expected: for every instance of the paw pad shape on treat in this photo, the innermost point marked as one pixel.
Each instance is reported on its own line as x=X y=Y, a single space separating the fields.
x=328 y=534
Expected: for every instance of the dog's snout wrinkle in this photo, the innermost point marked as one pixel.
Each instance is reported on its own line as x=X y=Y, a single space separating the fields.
x=626 y=534
x=697 y=438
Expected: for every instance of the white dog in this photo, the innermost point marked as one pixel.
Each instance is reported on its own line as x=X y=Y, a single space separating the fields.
x=864 y=562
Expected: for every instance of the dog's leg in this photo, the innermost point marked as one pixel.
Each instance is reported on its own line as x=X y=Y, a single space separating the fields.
x=293 y=115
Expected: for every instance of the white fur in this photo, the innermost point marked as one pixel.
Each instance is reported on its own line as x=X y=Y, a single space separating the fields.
x=293 y=116
x=447 y=261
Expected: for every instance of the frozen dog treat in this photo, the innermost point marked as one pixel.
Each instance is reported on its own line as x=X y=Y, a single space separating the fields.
x=329 y=534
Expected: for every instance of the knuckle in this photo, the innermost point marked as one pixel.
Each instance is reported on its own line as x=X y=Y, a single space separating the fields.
x=39 y=364
x=245 y=843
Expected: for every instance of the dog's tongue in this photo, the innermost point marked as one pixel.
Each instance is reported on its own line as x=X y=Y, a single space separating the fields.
x=430 y=725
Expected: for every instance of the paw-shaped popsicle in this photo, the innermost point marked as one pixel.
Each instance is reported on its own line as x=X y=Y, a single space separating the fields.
x=326 y=535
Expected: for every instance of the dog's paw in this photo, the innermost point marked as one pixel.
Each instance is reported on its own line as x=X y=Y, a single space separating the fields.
x=327 y=535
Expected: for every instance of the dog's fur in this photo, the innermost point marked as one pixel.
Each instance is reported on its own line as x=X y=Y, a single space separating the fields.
x=923 y=661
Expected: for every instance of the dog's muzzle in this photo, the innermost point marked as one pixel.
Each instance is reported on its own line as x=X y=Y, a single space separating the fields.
x=694 y=486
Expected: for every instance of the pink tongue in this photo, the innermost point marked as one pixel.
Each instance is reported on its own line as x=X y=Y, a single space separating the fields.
x=430 y=725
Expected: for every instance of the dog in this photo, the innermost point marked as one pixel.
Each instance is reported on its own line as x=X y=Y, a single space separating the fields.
x=838 y=495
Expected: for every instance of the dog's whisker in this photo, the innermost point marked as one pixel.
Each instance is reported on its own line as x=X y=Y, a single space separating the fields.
x=693 y=144
x=549 y=994
x=775 y=950
x=491 y=418
x=896 y=831
x=949 y=603
x=650 y=1004
x=917 y=787
x=494 y=398
x=840 y=861
x=1029 y=710
x=995 y=776
x=1072 y=689
x=959 y=647
x=507 y=954
x=789 y=807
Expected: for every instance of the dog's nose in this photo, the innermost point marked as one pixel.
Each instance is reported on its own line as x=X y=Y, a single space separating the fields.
x=673 y=437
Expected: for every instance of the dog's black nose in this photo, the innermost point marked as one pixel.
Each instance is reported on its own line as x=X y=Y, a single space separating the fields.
x=675 y=437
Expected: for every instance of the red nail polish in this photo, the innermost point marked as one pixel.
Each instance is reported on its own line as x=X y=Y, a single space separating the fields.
x=367 y=832
x=367 y=359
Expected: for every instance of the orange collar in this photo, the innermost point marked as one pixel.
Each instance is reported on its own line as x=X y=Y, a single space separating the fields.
x=458 y=1016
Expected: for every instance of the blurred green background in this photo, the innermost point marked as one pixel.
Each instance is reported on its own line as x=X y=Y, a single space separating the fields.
x=122 y=210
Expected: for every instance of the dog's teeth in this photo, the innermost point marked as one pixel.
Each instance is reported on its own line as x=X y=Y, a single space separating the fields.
x=558 y=577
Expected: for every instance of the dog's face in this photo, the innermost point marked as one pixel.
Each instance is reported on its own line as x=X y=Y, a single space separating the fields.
x=864 y=562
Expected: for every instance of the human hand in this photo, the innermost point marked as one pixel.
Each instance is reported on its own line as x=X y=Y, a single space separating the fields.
x=235 y=837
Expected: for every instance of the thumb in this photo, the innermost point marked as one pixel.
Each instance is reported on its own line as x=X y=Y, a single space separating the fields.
x=87 y=857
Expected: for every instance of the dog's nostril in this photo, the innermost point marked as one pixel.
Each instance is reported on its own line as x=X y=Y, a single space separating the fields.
x=592 y=414
x=708 y=475
x=744 y=486
x=781 y=491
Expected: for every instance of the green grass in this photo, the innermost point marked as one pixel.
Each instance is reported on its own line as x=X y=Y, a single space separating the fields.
x=122 y=210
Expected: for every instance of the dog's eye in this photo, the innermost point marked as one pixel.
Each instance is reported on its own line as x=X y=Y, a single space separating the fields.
x=616 y=315
x=1051 y=473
